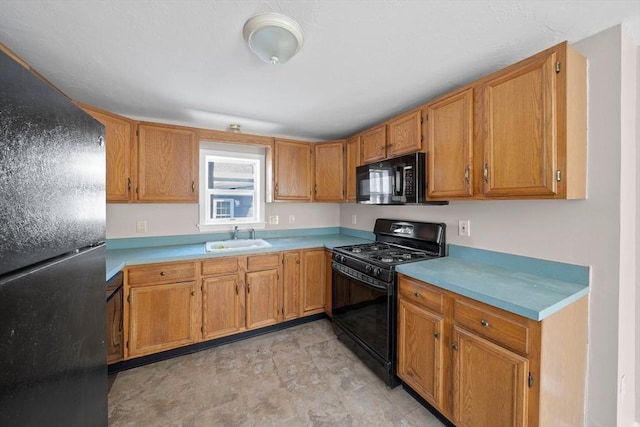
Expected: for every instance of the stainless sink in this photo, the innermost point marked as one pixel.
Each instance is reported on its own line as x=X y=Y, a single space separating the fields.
x=236 y=245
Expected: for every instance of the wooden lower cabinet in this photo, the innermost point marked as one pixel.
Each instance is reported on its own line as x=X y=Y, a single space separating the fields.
x=291 y=285
x=262 y=298
x=170 y=305
x=114 y=342
x=313 y=281
x=482 y=366
x=420 y=350
x=220 y=306
x=162 y=317
x=490 y=383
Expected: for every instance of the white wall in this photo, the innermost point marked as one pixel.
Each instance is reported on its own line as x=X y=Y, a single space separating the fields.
x=173 y=219
x=585 y=232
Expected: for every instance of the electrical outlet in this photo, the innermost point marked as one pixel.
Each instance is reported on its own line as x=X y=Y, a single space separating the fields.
x=464 y=227
x=141 y=226
x=274 y=220
x=292 y=219
x=354 y=219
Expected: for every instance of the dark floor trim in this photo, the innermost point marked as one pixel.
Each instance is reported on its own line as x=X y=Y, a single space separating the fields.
x=444 y=420
x=193 y=348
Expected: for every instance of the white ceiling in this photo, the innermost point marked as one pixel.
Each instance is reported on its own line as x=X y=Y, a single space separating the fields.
x=185 y=62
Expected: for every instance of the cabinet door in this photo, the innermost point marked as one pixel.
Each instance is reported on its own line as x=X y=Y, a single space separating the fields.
x=313 y=281
x=329 y=172
x=405 y=134
x=115 y=349
x=220 y=306
x=118 y=139
x=449 y=124
x=519 y=123
x=167 y=164
x=162 y=317
x=490 y=383
x=420 y=351
x=373 y=144
x=292 y=170
x=291 y=285
x=353 y=161
x=262 y=298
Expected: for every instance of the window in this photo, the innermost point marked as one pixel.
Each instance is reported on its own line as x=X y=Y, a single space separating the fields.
x=232 y=186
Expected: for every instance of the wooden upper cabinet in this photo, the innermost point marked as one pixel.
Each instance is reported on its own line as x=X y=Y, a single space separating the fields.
x=373 y=143
x=329 y=172
x=119 y=148
x=449 y=128
x=352 y=146
x=293 y=167
x=405 y=134
x=533 y=127
x=167 y=164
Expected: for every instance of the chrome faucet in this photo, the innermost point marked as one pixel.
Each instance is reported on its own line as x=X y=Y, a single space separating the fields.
x=252 y=233
x=234 y=235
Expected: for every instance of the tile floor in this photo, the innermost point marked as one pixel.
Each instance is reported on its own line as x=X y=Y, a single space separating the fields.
x=301 y=376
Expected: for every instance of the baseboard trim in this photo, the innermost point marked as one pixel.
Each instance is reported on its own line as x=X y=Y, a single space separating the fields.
x=204 y=345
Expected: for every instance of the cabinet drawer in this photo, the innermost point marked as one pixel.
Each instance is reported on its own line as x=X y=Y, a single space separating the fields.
x=263 y=262
x=422 y=294
x=219 y=266
x=503 y=328
x=162 y=273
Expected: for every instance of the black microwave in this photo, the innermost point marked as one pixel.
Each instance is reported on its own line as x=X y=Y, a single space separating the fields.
x=396 y=181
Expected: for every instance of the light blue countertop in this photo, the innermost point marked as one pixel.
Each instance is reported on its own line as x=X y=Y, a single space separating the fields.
x=530 y=287
x=117 y=259
x=519 y=291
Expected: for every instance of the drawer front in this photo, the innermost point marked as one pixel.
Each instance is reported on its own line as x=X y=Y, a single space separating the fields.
x=263 y=262
x=421 y=293
x=506 y=329
x=162 y=273
x=219 y=266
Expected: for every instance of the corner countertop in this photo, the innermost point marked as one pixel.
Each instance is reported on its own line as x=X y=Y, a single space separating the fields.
x=529 y=287
x=117 y=259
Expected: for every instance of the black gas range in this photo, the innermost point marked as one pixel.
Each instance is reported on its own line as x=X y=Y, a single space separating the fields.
x=364 y=288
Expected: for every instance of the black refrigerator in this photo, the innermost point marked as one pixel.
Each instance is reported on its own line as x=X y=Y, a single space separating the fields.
x=52 y=256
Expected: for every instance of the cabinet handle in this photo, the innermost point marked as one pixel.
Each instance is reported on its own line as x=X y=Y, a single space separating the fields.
x=484 y=323
x=454 y=346
x=193 y=186
x=382 y=148
x=485 y=173
x=416 y=294
x=128 y=185
x=297 y=261
x=248 y=287
x=436 y=335
x=193 y=293
x=101 y=141
x=276 y=188
x=236 y=289
x=162 y=273
x=466 y=174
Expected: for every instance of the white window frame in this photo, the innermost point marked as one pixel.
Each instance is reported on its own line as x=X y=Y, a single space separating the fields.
x=255 y=155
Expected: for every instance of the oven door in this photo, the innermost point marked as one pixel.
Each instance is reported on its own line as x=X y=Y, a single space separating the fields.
x=363 y=310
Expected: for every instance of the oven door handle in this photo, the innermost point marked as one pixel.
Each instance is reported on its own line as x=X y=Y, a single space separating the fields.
x=369 y=284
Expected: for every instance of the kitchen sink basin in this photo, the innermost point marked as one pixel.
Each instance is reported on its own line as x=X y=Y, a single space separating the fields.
x=236 y=245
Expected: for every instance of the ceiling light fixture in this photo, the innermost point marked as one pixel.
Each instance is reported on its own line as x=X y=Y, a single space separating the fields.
x=273 y=37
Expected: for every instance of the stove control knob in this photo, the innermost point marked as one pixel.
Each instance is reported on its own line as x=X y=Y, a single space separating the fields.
x=377 y=272
x=343 y=258
x=368 y=269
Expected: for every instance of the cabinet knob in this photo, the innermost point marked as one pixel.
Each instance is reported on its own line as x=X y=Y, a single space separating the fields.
x=162 y=273
x=436 y=335
x=193 y=293
x=416 y=294
x=454 y=346
x=484 y=323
